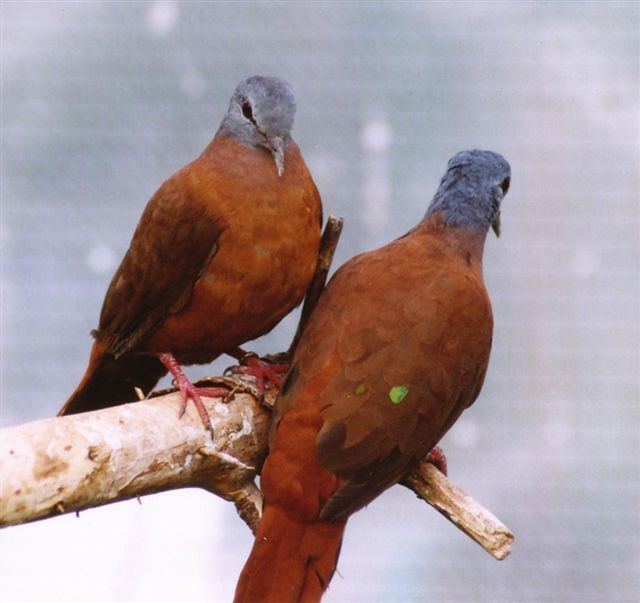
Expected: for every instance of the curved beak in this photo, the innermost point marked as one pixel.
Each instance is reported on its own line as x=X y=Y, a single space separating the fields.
x=276 y=147
x=495 y=224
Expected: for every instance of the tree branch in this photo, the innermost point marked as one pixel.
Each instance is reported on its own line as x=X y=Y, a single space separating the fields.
x=461 y=510
x=73 y=463
x=328 y=244
x=77 y=462
x=80 y=461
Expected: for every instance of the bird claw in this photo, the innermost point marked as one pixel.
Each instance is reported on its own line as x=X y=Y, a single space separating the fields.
x=190 y=391
x=437 y=458
x=262 y=371
x=215 y=392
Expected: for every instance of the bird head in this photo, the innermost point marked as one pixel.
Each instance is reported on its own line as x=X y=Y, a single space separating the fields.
x=472 y=189
x=261 y=114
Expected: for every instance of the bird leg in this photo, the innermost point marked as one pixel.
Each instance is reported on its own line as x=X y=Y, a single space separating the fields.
x=188 y=390
x=263 y=370
x=437 y=458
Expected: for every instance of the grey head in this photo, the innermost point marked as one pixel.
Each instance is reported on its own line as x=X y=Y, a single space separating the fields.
x=472 y=189
x=261 y=114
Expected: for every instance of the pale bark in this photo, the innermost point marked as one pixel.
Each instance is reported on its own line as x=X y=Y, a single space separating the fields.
x=72 y=463
x=461 y=510
x=79 y=461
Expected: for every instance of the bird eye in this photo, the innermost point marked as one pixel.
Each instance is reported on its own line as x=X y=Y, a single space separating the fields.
x=505 y=185
x=247 y=112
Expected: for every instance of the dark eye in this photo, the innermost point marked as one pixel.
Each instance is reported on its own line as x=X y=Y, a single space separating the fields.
x=246 y=111
x=505 y=185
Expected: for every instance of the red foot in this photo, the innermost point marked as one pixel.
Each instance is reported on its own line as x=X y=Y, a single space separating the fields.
x=262 y=371
x=188 y=390
x=437 y=457
x=213 y=392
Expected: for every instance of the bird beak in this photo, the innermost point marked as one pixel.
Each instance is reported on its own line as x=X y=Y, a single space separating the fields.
x=275 y=146
x=495 y=224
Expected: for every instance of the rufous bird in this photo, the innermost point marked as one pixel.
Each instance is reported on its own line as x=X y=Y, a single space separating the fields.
x=395 y=350
x=223 y=251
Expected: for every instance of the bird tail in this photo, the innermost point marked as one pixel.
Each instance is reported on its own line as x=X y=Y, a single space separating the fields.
x=109 y=381
x=290 y=562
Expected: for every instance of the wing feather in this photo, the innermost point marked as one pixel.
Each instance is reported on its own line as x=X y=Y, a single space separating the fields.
x=391 y=358
x=172 y=246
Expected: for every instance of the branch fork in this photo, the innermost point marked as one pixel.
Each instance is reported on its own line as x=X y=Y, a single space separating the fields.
x=72 y=463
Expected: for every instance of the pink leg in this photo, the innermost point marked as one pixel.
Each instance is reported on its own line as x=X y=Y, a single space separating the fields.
x=213 y=392
x=262 y=371
x=437 y=457
x=188 y=390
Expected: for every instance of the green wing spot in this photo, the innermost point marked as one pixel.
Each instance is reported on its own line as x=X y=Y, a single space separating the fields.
x=398 y=393
x=361 y=389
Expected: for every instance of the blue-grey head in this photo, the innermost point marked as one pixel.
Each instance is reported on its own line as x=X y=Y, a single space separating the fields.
x=472 y=189
x=261 y=114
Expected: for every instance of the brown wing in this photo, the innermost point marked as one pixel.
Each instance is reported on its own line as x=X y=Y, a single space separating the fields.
x=171 y=247
x=411 y=340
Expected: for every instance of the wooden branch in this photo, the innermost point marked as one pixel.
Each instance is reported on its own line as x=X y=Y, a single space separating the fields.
x=80 y=461
x=461 y=510
x=76 y=462
x=328 y=244
x=73 y=463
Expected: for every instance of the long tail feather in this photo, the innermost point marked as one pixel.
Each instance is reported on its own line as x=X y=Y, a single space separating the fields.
x=109 y=381
x=290 y=562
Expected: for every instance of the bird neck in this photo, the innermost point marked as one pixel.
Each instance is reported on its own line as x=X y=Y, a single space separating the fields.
x=239 y=160
x=219 y=143
x=465 y=241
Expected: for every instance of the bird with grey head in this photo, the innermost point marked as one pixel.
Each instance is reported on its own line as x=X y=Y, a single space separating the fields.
x=261 y=115
x=472 y=189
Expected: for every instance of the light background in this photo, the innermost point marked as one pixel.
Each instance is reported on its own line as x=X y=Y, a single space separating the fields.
x=102 y=101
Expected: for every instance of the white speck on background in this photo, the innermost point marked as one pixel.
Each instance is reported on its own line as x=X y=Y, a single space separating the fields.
x=376 y=136
x=376 y=187
x=101 y=259
x=162 y=17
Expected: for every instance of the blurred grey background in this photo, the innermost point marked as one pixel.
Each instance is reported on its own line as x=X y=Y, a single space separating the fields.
x=102 y=101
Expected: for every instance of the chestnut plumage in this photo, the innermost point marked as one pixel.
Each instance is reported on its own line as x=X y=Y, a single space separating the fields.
x=395 y=350
x=223 y=251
